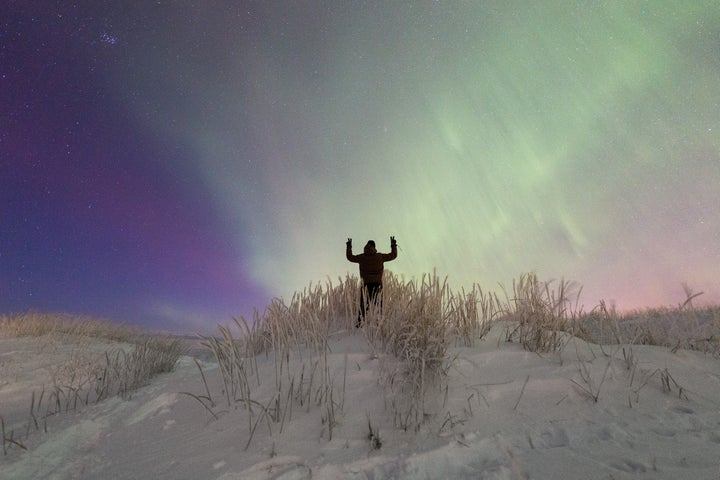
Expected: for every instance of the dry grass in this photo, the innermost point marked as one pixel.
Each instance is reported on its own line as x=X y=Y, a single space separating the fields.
x=296 y=336
x=542 y=318
x=38 y=324
x=682 y=327
x=411 y=331
x=415 y=324
x=123 y=360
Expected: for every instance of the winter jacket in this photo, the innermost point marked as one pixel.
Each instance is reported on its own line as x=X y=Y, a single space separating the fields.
x=371 y=262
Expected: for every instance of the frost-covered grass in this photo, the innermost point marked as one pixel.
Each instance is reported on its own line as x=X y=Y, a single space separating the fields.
x=414 y=324
x=38 y=324
x=97 y=360
x=682 y=327
x=436 y=384
x=542 y=315
x=411 y=331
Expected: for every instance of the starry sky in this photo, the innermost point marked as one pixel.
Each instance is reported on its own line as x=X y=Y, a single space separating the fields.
x=175 y=163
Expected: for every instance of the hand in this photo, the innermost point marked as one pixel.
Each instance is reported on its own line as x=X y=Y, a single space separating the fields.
x=393 y=243
x=349 y=242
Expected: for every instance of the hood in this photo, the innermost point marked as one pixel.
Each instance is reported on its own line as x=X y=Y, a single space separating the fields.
x=369 y=248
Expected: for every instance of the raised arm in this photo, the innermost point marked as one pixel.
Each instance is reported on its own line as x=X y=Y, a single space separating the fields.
x=348 y=251
x=393 y=251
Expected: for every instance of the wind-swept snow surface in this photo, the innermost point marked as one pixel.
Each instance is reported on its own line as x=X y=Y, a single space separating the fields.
x=589 y=412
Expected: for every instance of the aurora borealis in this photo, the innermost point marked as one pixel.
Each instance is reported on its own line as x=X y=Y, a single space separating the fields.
x=173 y=163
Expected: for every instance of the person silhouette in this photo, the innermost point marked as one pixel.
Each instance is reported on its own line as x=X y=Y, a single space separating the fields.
x=371 y=272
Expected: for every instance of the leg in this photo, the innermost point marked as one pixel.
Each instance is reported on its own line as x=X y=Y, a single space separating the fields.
x=375 y=293
x=370 y=294
x=363 y=306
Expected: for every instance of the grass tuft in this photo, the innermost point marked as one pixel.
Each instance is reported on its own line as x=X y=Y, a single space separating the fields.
x=542 y=318
x=106 y=360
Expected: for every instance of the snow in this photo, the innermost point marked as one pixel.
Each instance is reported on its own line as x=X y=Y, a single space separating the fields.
x=504 y=413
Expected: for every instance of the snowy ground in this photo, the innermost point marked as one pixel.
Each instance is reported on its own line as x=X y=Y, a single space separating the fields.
x=505 y=414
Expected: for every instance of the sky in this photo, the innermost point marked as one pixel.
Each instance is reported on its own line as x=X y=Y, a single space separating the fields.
x=175 y=163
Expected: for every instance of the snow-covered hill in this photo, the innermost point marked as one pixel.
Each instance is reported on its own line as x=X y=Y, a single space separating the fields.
x=502 y=413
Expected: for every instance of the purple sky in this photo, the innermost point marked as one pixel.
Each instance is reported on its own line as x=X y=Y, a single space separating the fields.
x=98 y=216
